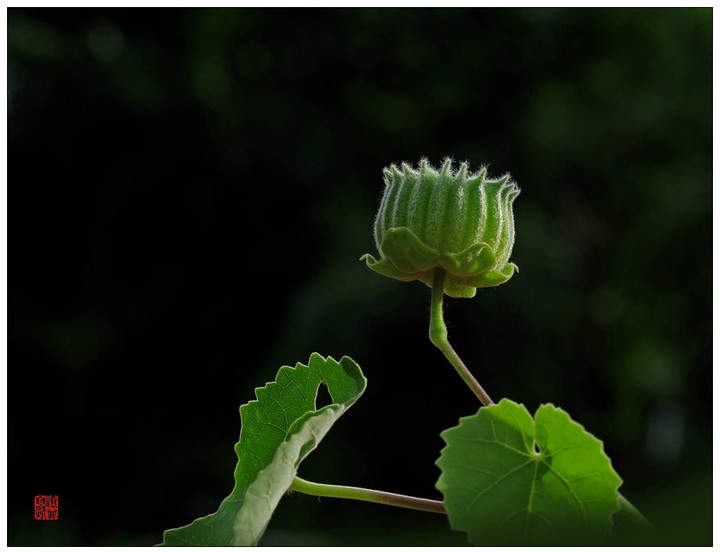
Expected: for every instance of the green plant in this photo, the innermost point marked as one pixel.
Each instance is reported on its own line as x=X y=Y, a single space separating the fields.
x=507 y=477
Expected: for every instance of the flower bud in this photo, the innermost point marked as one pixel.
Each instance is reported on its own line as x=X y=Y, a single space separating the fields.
x=459 y=222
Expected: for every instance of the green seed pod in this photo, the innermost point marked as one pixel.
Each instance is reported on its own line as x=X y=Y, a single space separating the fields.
x=439 y=219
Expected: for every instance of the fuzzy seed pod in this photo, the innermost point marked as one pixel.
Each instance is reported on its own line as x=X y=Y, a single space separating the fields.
x=460 y=222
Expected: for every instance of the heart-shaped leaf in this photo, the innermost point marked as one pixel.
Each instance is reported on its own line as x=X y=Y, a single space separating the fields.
x=278 y=430
x=510 y=479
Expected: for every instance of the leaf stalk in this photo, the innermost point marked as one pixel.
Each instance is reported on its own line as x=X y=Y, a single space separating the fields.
x=367 y=495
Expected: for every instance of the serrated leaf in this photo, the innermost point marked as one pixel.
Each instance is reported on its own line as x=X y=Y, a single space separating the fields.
x=510 y=479
x=279 y=430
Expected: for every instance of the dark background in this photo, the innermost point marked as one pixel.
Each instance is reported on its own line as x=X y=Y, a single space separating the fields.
x=190 y=191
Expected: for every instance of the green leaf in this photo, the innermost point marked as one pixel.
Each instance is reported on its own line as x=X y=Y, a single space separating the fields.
x=279 y=430
x=471 y=261
x=510 y=479
x=407 y=252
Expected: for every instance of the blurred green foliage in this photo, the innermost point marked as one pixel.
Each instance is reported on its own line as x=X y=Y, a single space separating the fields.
x=191 y=191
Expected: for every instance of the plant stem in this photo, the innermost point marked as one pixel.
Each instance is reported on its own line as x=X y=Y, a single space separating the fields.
x=438 y=336
x=367 y=495
x=630 y=516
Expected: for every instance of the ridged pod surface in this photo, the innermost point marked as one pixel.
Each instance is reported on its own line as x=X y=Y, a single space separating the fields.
x=459 y=222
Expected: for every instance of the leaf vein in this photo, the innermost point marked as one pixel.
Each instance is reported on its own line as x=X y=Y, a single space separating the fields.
x=570 y=490
x=497 y=442
x=494 y=484
x=472 y=468
x=298 y=387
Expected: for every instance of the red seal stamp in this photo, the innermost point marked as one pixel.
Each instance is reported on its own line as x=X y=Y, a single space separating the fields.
x=46 y=506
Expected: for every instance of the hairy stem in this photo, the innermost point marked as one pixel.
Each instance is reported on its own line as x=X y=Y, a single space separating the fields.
x=367 y=495
x=438 y=336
